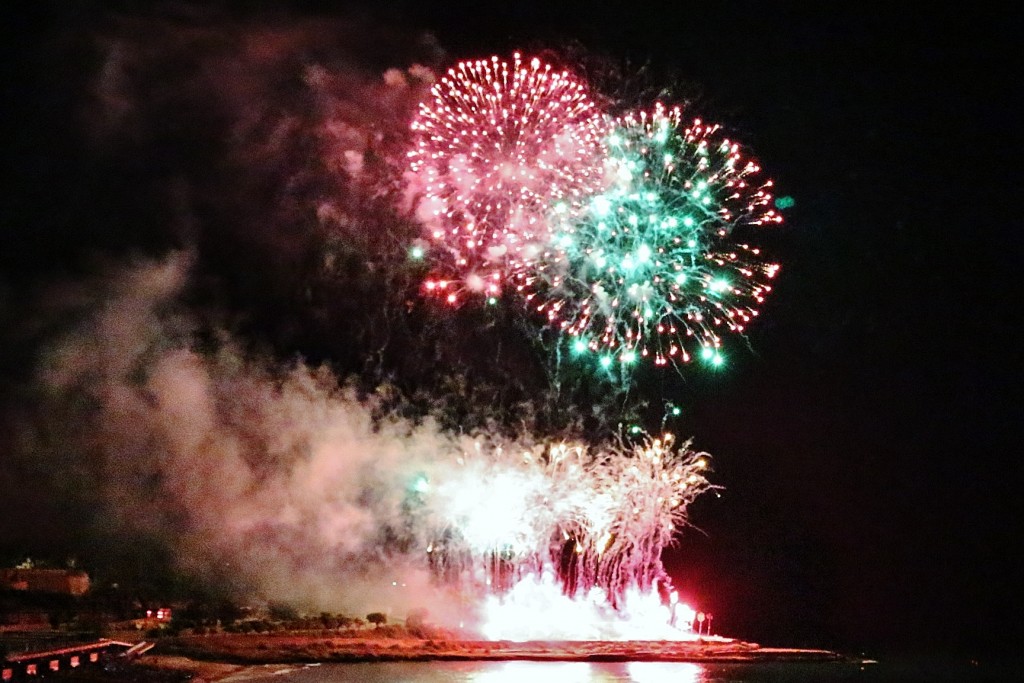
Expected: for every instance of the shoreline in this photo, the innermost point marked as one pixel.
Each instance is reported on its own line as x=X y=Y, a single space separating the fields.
x=243 y=650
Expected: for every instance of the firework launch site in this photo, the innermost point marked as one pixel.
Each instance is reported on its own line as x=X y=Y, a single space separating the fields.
x=178 y=648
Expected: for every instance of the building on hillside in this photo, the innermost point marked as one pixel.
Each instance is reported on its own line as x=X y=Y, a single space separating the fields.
x=63 y=581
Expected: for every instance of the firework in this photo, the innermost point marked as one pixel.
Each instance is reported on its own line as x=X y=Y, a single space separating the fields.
x=500 y=149
x=652 y=268
x=521 y=614
x=632 y=238
x=596 y=519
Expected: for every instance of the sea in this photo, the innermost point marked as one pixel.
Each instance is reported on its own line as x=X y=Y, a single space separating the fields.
x=918 y=670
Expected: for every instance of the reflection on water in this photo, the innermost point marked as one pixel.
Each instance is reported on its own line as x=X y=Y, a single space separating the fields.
x=480 y=672
x=559 y=672
x=665 y=672
x=585 y=672
x=517 y=672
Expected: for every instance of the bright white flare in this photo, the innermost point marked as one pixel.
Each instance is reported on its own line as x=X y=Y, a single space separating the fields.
x=536 y=609
x=563 y=529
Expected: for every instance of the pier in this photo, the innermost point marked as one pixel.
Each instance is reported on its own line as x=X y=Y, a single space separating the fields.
x=28 y=665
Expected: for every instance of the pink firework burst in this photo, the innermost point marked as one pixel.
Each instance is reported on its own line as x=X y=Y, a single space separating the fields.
x=501 y=149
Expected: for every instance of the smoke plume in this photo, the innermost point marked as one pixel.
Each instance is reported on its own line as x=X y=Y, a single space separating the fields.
x=256 y=161
x=273 y=477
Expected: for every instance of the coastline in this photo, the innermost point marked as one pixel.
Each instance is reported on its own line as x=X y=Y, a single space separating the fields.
x=242 y=650
x=208 y=658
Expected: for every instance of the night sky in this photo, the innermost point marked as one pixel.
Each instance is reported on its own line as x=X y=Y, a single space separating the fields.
x=868 y=442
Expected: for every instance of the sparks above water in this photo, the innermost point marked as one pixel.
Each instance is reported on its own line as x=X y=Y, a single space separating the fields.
x=523 y=614
x=563 y=525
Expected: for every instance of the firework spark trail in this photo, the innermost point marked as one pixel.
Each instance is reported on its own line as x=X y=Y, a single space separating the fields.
x=597 y=519
x=651 y=269
x=500 y=148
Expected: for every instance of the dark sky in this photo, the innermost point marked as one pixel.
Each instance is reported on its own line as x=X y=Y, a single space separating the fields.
x=869 y=446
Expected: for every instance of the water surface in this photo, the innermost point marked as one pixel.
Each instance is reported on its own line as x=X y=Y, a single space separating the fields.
x=560 y=672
